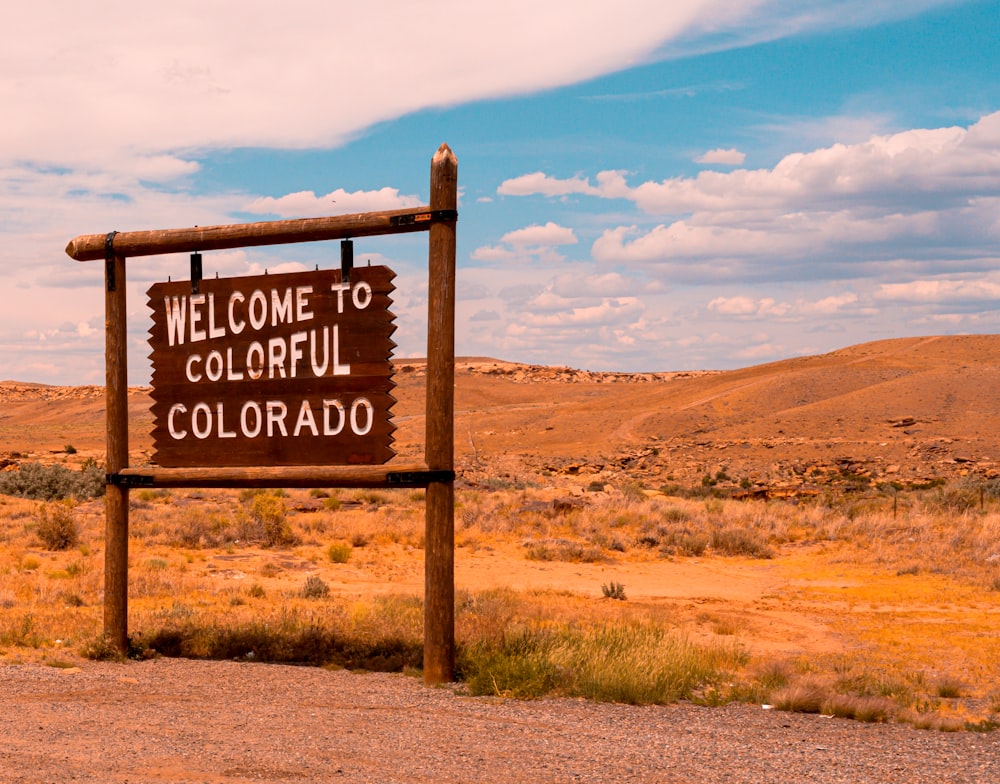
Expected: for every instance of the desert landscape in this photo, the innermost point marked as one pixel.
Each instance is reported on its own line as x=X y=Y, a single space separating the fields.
x=815 y=536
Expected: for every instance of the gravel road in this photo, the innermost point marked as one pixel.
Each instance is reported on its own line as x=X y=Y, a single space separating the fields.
x=172 y=720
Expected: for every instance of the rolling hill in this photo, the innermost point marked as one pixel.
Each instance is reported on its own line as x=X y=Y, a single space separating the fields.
x=908 y=410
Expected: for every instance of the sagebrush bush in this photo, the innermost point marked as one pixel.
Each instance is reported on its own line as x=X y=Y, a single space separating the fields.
x=57 y=527
x=315 y=588
x=52 y=483
x=267 y=521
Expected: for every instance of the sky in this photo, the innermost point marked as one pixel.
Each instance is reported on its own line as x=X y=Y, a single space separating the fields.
x=644 y=186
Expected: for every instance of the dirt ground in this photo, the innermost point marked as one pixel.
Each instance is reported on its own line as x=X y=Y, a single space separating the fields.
x=226 y=722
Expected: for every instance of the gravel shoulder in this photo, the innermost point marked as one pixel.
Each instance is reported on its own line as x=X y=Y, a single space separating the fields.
x=172 y=720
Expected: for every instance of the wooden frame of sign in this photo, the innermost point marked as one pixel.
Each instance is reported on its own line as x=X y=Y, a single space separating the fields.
x=436 y=473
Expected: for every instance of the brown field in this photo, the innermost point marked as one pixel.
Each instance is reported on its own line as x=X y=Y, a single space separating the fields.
x=823 y=533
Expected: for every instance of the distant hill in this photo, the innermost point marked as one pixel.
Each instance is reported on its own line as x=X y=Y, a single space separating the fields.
x=906 y=410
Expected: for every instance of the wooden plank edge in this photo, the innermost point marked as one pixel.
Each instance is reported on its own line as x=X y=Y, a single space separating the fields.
x=382 y=476
x=92 y=247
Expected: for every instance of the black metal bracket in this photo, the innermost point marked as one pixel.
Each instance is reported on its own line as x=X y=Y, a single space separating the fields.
x=128 y=481
x=418 y=478
x=433 y=216
x=109 y=260
x=346 y=260
x=195 y=273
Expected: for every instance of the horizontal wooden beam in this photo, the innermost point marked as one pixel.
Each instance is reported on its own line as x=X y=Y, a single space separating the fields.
x=384 y=476
x=92 y=247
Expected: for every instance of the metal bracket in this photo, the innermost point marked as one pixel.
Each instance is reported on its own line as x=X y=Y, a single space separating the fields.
x=195 y=272
x=109 y=260
x=434 y=216
x=418 y=478
x=346 y=260
x=127 y=481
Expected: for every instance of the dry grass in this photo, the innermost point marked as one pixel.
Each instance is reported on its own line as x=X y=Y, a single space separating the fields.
x=223 y=574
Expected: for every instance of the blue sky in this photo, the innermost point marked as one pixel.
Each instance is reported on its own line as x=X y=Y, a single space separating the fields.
x=706 y=185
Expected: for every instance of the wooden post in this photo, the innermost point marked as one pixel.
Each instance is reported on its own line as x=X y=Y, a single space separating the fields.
x=439 y=545
x=436 y=473
x=116 y=497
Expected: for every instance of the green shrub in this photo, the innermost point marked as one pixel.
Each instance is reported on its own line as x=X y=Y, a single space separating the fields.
x=629 y=663
x=52 y=483
x=339 y=552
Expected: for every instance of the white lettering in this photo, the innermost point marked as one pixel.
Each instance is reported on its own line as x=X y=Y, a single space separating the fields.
x=236 y=327
x=176 y=311
x=176 y=408
x=270 y=418
x=365 y=403
x=255 y=360
x=297 y=337
x=276 y=351
x=213 y=366
x=366 y=297
x=202 y=432
x=305 y=419
x=258 y=309
x=281 y=309
x=318 y=369
x=340 y=288
x=213 y=330
x=196 y=301
x=338 y=369
x=231 y=373
x=301 y=303
x=258 y=419
x=189 y=372
x=328 y=407
x=276 y=412
x=223 y=433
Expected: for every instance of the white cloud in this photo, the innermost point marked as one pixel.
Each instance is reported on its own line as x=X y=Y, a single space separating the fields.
x=86 y=82
x=530 y=244
x=549 y=234
x=745 y=307
x=540 y=183
x=940 y=290
x=306 y=204
x=829 y=306
x=921 y=191
x=727 y=157
x=734 y=306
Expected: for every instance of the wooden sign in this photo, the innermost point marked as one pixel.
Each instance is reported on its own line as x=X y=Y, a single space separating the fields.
x=273 y=370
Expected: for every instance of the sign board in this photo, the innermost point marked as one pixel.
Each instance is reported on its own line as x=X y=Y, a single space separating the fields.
x=273 y=370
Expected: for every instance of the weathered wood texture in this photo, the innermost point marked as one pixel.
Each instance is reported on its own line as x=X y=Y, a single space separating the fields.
x=391 y=475
x=439 y=551
x=116 y=498
x=273 y=370
x=90 y=247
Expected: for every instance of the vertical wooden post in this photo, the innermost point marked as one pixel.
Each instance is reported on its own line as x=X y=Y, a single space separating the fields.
x=439 y=546
x=116 y=497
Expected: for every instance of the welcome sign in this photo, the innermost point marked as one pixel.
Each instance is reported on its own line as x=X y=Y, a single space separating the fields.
x=273 y=370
